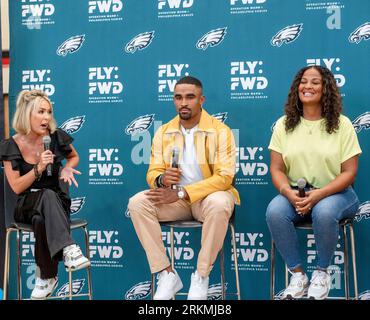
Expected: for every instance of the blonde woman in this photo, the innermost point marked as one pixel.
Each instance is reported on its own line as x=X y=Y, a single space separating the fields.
x=41 y=202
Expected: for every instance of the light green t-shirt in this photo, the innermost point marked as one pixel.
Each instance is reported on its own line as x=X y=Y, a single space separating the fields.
x=311 y=153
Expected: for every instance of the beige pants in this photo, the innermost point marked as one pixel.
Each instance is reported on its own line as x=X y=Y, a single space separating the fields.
x=214 y=211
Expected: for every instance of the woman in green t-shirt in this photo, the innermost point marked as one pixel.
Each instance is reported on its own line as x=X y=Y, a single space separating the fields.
x=314 y=142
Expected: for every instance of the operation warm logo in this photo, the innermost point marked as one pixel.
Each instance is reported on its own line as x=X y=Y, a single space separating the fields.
x=175 y=8
x=105 y=11
x=248 y=6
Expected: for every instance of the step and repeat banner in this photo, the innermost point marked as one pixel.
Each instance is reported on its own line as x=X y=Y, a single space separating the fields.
x=110 y=67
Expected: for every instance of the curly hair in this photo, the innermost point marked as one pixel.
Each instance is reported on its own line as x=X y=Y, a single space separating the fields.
x=331 y=101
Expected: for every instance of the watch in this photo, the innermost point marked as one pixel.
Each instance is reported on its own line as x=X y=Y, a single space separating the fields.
x=180 y=192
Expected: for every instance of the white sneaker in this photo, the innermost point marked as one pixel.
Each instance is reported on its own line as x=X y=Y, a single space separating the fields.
x=168 y=284
x=44 y=288
x=320 y=285
x=198 y=287
x=74 y=259
x=297 y=287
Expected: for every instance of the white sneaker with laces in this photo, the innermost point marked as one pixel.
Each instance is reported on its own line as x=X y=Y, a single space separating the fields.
x=198 y=287
x=168 y=284
x=44 y=288
x=320 y=285
x=74 y=259
x=297 y=287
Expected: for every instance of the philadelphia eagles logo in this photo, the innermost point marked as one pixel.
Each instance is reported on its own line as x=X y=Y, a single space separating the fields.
x=77 y=204
x=73 y=125
x=140 y=124
x=362 y=122
x=364 y=295
x=77 y=286
x=361 y=33
x=71 y=45
x=139 y=42
x=363 y=211
x=215 y=291
x=139 y=291
x=221 y=116
x=287 y=35
x=212 y=38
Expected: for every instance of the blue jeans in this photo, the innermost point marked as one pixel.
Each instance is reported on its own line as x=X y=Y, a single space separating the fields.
x=325 y=215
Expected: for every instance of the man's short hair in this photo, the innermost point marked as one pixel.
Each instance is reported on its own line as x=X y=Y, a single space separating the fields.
x=190 y=80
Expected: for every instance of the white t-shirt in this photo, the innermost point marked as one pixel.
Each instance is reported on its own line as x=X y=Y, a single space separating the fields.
x=191 y=172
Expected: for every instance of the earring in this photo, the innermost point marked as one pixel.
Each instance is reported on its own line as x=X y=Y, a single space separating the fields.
x=298 y=107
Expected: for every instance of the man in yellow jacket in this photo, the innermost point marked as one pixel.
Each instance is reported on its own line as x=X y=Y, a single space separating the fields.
x=200 y=188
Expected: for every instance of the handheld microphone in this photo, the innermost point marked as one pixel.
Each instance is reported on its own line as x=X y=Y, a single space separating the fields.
x=301 y=183
x=47 y=141
x=175 y=162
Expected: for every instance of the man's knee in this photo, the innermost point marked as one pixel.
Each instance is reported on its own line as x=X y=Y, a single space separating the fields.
x=220 y=201
x=137 y=202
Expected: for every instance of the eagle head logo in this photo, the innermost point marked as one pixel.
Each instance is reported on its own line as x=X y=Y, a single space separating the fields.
x=73 y=125
x=140 y=124
x=139 y=42
x=221 y=116
x=287 y=35
x=361 y=33
x=139 y=291
x=71 y=45
x=211 y=39
x=362 y=122
x=77 y=204
x=77 y=286
x=363 y=211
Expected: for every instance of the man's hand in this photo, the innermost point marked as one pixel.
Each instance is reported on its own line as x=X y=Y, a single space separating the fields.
x=162 y=195
x=171 y=176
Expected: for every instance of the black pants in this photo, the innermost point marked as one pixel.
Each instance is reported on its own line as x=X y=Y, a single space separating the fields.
x=48 y=212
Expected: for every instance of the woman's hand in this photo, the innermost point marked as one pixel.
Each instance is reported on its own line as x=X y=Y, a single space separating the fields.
x=46 y=157
x=67 y=175
x=304 y=205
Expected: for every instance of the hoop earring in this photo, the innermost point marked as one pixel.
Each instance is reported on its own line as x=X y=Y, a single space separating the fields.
x=297 y=107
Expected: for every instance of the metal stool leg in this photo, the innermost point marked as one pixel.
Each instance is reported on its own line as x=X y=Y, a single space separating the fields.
x=89 y=268
x=6 y=264
x=172 y=252
x=272 y=270
x=346 y=276
x=19 y=273
x=354 y=267
x=233 y=240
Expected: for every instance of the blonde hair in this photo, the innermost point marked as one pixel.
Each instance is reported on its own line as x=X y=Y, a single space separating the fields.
x=28 y=101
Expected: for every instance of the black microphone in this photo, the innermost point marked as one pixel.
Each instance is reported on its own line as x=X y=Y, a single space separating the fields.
x=301 y=183
x=175 y=162
x=47 y=141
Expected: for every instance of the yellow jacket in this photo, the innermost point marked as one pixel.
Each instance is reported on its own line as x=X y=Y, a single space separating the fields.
x=215 y=149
